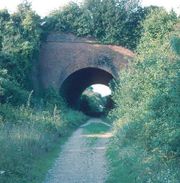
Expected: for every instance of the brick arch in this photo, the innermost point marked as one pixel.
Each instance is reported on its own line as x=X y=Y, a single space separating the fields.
x=61 y=55
x=74 y=85
x=70 y=70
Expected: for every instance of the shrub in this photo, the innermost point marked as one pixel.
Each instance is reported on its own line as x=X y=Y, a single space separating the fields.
x=146 y=115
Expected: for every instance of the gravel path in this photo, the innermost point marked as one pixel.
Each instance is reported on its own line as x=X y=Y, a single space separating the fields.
x=80 y=162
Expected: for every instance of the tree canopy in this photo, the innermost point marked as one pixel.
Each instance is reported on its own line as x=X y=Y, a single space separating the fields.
x=109 y=21
x=19 y=45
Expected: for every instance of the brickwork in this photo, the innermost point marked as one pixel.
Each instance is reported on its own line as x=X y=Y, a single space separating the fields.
x=63 y=54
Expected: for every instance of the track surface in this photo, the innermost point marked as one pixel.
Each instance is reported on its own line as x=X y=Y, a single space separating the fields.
x=82 y=158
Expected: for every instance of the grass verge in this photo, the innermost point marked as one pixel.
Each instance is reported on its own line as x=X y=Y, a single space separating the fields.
x=30 y=140
x=93 y=132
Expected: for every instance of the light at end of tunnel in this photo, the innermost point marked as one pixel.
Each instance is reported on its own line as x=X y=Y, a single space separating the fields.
x=101 y=89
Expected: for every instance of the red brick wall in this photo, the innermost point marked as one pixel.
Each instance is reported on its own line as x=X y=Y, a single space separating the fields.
x=63 y=54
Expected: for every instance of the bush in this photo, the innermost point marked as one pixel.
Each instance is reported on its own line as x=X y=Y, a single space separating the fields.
x=146 y=115
x=10 y=90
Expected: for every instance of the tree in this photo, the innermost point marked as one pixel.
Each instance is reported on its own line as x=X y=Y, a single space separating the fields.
x=147 y=103
x=109 y=21
x=92 y=103
x=21 y=40
x=4 y=17
x=70 y=19
x=116 y=22
x=20 y=35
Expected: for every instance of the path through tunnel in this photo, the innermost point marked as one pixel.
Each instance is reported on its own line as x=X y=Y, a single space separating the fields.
x=74 y=85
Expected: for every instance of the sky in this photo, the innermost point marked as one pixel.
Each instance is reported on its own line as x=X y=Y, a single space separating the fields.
x=43 y=7
x=102 y=89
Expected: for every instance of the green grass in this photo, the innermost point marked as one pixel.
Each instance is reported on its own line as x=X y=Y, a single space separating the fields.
x=94 y=129
x=130 y=164
x=28 y=160
x=123 y=165
x=30 y=141
x=42 y=165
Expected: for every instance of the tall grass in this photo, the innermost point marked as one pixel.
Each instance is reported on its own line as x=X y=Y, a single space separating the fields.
x=28 y=137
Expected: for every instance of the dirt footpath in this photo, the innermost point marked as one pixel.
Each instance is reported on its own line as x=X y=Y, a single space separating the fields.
x=82 y=159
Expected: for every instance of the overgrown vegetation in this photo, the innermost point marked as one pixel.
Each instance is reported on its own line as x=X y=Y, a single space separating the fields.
x=29 y=137
x=31 y=125
x=109 y=21
x=146 y=147
x=20 y=40
x=93 y=104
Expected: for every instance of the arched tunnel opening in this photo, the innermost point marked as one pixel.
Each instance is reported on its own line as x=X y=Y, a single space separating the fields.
x=78 y=83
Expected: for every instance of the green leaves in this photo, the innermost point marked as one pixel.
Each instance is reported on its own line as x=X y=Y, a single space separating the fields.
x=109 y=21
x=175 y=42
x=113 y=21
x=93 y=103
x=71 y=19
x=147 y=100
x=20 y=41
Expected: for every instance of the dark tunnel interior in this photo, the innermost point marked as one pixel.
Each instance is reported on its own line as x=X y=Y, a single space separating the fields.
x=77 y=82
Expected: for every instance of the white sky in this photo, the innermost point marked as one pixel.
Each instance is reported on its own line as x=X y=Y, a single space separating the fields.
x=43 y=7
x=102 y=89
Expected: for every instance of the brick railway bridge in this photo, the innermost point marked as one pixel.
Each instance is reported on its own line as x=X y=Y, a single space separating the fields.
x=70 y=64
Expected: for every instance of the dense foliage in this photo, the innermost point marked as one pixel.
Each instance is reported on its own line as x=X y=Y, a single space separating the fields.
x=145 y=147
x=92 y=103
x=20 y=40
x=147 y=96
x=31 y=126
x=109 y=21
